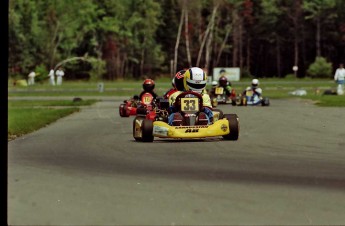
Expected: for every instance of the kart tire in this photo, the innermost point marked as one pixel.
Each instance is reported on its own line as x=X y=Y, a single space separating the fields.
x=238 y=100
x=244 y=101
x=233 y=102
x=122 y=111
x=141 y=111
x=214 y=102
x=221 y=114
x=234 y=127
x=265 y=102
x=147 y=130
x=137 y=118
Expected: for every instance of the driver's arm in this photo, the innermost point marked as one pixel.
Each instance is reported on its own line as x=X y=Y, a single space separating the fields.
x=228 y=90
x=258 y=91
x=206 y=101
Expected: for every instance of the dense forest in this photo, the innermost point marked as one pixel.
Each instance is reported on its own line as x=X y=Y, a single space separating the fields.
x=119 y=39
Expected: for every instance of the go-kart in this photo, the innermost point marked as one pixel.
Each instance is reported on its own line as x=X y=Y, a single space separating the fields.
x=134 y=106
x=252 y=98
x=189 y=104
x=218 y=96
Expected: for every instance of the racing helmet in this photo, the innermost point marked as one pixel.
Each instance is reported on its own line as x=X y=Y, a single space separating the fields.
x=195 y=80
x=255 y=82
x=223 y=81
x=148 y=85
x=214 y=83
x=178 y=80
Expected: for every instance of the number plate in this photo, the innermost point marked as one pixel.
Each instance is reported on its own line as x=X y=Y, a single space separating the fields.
x=219 y=90
x=249 y=93
x=190 y=104
x=146 y=98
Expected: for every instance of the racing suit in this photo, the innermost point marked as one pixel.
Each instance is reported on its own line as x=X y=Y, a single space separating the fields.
x=207 y=106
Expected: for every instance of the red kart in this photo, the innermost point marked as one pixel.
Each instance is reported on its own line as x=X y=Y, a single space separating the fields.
x=135 y=106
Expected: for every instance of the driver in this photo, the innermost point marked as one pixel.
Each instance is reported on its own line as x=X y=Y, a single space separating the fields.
x=194 y=79
x=255 y=87
x=177 y=83
x=148 y=86
x=223 y=82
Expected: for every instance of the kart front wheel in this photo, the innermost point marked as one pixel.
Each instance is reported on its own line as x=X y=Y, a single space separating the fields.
x=214 y=102
x=137 y=131
x=220 y=112
x=147 y=130
x=234 y=127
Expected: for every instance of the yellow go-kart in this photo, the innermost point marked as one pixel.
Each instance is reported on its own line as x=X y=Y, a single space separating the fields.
x=189 y=105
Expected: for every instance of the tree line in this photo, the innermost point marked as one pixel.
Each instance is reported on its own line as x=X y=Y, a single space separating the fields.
x=122 y=39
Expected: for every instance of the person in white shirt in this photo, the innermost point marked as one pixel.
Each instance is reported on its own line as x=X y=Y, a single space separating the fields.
x=51 y=77
x=339 y=78
x=59 y=74
x=31 y=80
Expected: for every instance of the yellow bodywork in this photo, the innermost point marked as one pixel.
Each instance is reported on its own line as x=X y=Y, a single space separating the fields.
x=164 y=130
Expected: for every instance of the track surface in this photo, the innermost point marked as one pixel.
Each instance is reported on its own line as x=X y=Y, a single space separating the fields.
x=286 y=168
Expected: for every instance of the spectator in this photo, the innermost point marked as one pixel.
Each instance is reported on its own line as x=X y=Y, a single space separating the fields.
x=59 y=74
x=339 y=78
x=51 y=77
x=31 y=80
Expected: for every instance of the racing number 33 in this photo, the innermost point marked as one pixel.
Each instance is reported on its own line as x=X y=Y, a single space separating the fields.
x=190 y=104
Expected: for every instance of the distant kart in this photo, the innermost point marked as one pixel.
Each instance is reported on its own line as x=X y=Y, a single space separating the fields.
x=219 y=97
x=135 y=106
x=249 y=97
x=189 y=105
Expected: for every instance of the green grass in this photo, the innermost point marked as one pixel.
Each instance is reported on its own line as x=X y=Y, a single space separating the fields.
x=328 y=100
x=25 y=116
x=22 y=121
x=47 y=103
x=272 y=87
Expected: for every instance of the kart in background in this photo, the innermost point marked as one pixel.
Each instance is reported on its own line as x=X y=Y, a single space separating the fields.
x=218 y=96
x=249 y=97
x=134 y=106
x=189 y=105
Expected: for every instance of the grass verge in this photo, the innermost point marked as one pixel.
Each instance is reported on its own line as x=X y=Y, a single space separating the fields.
x=22 y=121
x=26 y=116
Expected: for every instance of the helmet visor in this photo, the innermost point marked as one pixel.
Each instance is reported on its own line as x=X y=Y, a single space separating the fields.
x=196 y=85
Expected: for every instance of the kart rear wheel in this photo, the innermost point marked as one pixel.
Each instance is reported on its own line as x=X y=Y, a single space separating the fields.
x=140 y=118
x=122 y=110
x=234 y=127
x=265 y=102
x=233 y=102
x=141 y=111
x=147 y=130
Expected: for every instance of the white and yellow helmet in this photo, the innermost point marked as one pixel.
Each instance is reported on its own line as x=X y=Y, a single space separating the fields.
x=195 y=80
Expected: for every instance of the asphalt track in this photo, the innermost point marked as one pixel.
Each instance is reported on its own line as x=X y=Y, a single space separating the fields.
x=287 y=168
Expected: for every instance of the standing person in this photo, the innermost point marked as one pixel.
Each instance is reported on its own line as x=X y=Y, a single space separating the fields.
x=31 y=79
x=51 y=77
x=339 y=78
x=59 y=74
